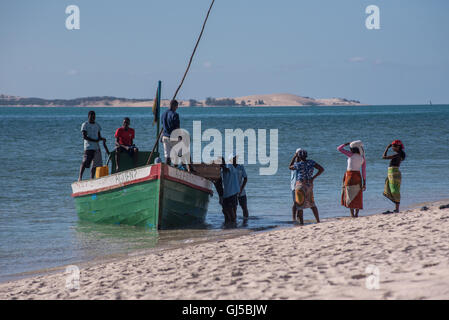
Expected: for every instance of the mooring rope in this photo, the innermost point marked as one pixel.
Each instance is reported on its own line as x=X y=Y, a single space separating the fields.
x=185 y=73
x=194 y=50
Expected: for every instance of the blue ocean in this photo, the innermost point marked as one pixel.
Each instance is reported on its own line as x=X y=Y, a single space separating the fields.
x=41 y=151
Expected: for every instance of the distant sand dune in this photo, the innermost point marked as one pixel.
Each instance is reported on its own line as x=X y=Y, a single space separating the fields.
x=280 y=99
x=287 y=99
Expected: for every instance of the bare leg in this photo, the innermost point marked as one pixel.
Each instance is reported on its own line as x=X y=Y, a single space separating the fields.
x=234 y=214
x=352 y=212
x=81 y=172
x=397 y=207
x=357 y=213
x=226 y=215
x=294 y=211
x=244 y=207
x=301 y=217
x=135 y=156
x=315 y=213
x=117 y=157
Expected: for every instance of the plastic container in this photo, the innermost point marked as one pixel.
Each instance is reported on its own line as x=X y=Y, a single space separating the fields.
x=102 y=171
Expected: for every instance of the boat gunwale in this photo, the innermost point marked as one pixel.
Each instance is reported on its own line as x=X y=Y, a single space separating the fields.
x=161 y=173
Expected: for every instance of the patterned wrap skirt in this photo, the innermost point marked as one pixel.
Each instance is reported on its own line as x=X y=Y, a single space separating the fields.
x=392 y=189
x=352 y=194
x=304 y=195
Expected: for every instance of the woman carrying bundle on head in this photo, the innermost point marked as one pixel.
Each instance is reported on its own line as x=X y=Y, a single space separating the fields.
x=392 y=188
x=353 y=184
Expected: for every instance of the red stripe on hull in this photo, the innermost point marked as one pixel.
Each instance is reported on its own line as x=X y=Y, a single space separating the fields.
x=155 y=174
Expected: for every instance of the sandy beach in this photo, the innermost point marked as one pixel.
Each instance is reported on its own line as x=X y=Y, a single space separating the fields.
x=395 y=256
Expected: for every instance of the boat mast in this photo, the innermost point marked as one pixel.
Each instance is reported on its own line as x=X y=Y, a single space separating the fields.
x=158 y=113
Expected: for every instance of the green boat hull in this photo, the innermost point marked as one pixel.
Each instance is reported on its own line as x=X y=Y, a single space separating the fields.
x=160 y=203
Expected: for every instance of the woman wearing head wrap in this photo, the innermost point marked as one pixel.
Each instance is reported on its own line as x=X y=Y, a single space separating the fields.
x=353 y=184
x=392 y=189
x=303 y=178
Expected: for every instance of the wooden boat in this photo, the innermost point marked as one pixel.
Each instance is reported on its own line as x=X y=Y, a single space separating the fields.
x=156 y=196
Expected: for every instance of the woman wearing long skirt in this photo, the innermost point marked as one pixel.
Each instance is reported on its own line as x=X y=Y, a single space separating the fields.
x=392 y=189
x=303 y=193
x=354 y=183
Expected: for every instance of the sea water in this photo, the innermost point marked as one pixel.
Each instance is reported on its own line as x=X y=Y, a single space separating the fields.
x=41 y=151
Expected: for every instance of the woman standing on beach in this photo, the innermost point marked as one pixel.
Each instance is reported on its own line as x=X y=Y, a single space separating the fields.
x=392 y=188
x=303 y=194
x=352 y=191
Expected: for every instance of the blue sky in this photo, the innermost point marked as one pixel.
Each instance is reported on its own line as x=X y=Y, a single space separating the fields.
x=316 y=48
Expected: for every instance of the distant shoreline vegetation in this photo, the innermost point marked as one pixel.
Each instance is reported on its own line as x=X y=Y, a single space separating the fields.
x=230 y=102
x=282 y=99
x=17 y=101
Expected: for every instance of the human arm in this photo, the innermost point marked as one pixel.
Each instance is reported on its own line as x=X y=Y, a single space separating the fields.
x=245 y=180
x=364 y=174
x=219 y=187
x=176 y=123
x=117 y=140
x=342 y=149
x=292 y=162
x=100 y=137
x=86 y=137
x=384 y=156
x=105 y=147
x=320 y=170
x=223 y=165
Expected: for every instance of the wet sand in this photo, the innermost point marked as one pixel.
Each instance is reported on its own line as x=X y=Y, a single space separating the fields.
x=395 y=256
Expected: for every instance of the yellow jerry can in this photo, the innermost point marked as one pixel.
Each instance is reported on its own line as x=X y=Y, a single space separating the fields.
x=102 y=171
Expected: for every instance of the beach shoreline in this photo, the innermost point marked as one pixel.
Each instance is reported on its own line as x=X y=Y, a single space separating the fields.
x=330 y=260
x=113 y=257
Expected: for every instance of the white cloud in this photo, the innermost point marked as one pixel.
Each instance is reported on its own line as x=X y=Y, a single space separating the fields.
x=356 y=59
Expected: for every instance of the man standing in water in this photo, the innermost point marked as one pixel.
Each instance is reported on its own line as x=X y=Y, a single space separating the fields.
x=231 y=189
x=91 y=135
x=170 y=122
x=243 y=179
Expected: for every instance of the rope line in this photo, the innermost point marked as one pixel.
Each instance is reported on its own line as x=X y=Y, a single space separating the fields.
x=194 y=50
x=185 y=74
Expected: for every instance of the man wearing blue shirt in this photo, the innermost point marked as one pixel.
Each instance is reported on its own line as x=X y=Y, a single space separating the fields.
x=231 y=190
x=170 y=121
x=243 y=179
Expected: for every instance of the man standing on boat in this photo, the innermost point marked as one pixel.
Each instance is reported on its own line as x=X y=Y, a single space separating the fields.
x=124 y=142
x=91 y=135
x=231 y=189
x=170 y=121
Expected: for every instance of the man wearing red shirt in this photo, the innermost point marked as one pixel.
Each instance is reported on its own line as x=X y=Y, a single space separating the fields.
x=124 y=142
